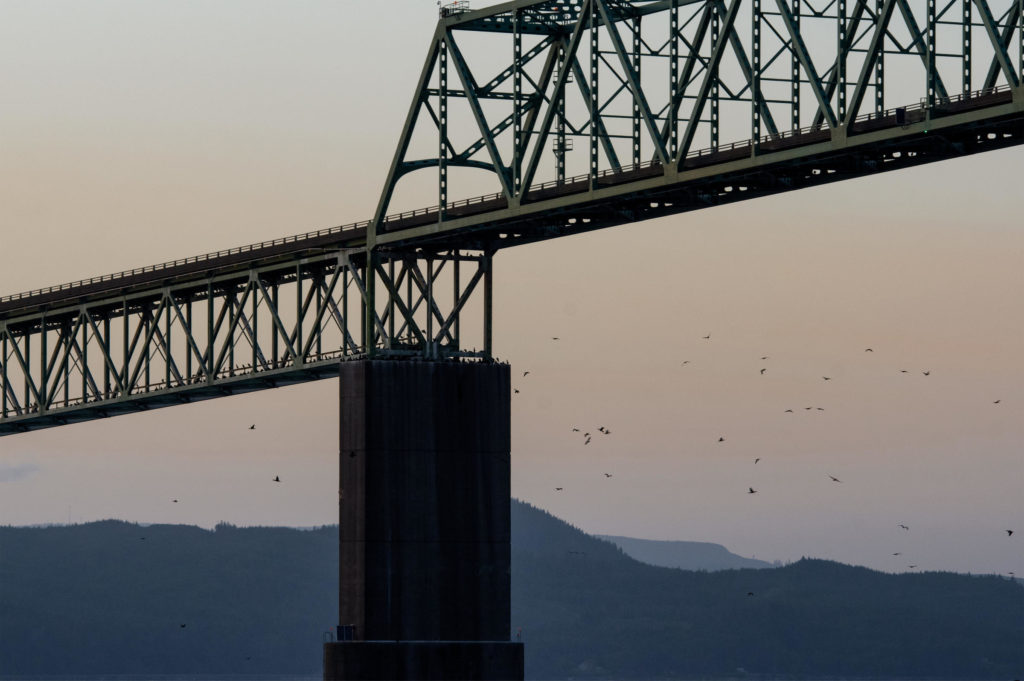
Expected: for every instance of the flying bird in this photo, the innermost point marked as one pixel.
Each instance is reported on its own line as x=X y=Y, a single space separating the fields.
x=182 y=626
x=820 y=408
x=911 y=566
x=752 y=490
x=750 y=593
x=762 y=371
x=516 y=390
x=600 y=429
x=826 y=378
x=904 y=527
x=927 y=373
x=587 y=441
x=997 y=402
x=558 y=489
x=174 y=501
x=252 y=427
x=904 y=371
x=277 y=478
x=765 y=357
x=685 y=362
x=721 y=439
x=607 y=475
x=526 y=373
x=897 y=554
x=555 y=338
x=834 y=478
x=1009 y=533
x=788 y=411
x=575 y=430
x=868 y=350
x=707 y=337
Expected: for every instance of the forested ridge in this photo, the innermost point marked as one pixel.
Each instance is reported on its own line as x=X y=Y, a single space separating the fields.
x=111 y=598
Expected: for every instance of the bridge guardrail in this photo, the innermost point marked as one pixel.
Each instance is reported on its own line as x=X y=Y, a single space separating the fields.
x=623 y=170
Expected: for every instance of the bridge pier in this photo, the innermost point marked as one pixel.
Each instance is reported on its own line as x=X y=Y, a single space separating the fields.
x=424 y=523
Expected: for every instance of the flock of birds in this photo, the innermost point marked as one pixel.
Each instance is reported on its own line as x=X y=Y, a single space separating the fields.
x=587 y=437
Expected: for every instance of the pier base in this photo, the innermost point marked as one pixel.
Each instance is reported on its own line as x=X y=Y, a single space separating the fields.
x=425 y=528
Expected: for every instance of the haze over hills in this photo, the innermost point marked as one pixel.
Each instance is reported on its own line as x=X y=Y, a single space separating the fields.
x=685 y=555
x=112 y=598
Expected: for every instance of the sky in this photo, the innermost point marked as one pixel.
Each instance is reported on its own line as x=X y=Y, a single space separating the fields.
x=137 y=132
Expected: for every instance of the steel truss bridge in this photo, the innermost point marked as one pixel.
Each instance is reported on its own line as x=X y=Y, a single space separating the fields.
x=580 y=114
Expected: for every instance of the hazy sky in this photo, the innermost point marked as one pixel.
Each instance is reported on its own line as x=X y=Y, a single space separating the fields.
x=137 y=132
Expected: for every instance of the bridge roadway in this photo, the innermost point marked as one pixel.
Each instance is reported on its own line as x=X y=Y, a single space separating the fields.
x=898 y=138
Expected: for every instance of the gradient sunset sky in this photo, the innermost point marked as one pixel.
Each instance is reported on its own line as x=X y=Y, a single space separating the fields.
x=137 y=132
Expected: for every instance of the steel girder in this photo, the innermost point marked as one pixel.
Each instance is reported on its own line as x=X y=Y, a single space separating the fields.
x=286 y=311
x=255 y=327
x=655 y=80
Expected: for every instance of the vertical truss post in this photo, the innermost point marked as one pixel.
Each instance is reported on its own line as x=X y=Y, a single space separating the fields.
x=841 y=39
x=880 y=63
x=44 y=378
x=431 y=343
x=391 y=300
x=105 y=345
x=1020 y=43
x=517 y=99
x=188 y=357
x=488 y=266
x=83 y=356
x=560 y=128
x=965 y=46
x=755 y=74
x=794 y=83
x=254 y=331
x=930 y=40
x=455 y=279
x=208 y=357
x=442 y=123
x=4 y=385
x=673 y=79
x=595 y=103
x=636 y=99
x=716 y=27
x=167 y=344
x=370 y=304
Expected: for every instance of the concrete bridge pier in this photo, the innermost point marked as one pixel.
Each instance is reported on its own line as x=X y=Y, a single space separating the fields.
x=424 y=524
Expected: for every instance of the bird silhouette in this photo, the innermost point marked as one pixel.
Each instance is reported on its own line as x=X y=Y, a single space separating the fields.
x=897 y=554
x=526 y=373
x=516 y=390
x=904 y=371
x=788 y=411
x=721 y=439
x=834 y=478
x=927 y=373
x=277 y=478
x=600 y=429
x=587 y=435
x=685 y=362
x=765 y=357
x=820 y=408
x=997 y=402
x=757 y=459
x=252 y=427
x=750 y=593
x=182 y=626
x=1009 y=533
x=558 y=489
x=707 y=337
x=607 y=475
x=904 y=527
x=911 y=566
x=868 y=350
x=808 y=408
x=587 y=441
x=555 y=338
x=174 y=501
x=575 y=430
x=752 y=490
x=762 y=371
x=826 y=378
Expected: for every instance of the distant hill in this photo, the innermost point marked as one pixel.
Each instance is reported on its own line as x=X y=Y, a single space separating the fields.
x=685 y=555
x=110 y=598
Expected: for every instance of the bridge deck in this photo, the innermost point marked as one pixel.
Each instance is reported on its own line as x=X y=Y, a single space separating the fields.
x=473 y=215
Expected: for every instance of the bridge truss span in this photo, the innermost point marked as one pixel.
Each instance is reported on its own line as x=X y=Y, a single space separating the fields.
x=264 y=325
x=559 y=117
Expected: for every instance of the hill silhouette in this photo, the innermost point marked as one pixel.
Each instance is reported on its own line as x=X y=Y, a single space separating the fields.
x=685 y=555
x=101 y=599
